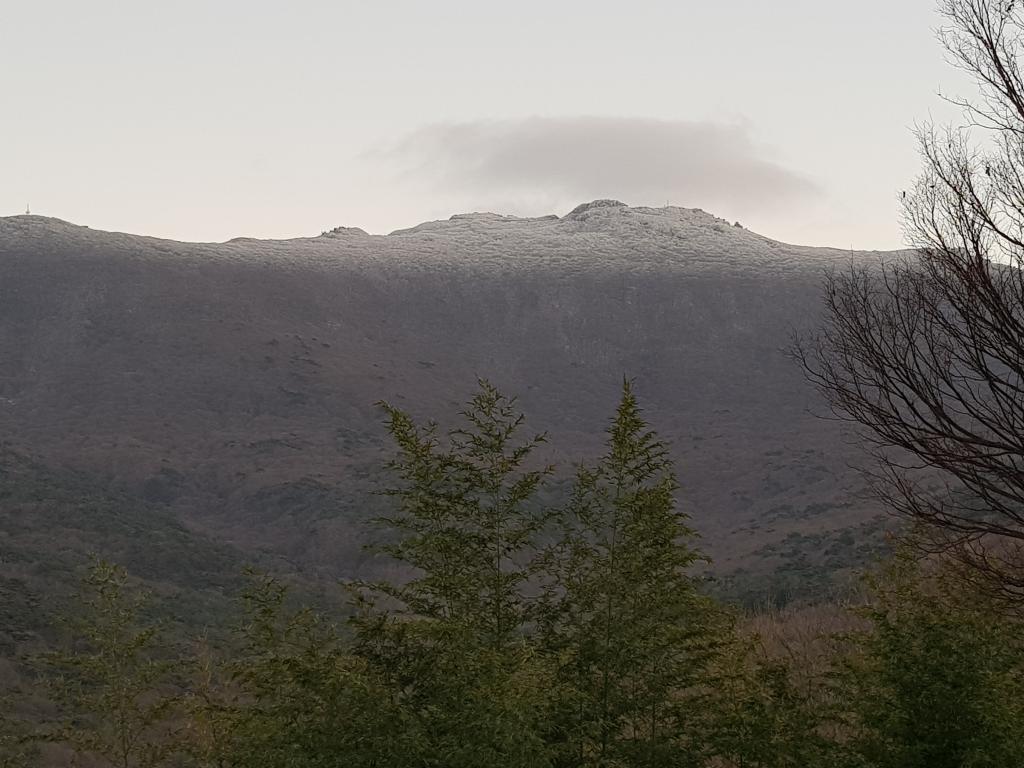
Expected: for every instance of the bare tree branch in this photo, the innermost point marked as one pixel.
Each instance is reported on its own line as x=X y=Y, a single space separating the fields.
x=925 y=355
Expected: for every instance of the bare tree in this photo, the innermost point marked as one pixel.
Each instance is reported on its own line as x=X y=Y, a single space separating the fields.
x=925 y=355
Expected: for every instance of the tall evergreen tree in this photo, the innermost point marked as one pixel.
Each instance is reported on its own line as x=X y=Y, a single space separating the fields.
x=451 y=639
x=634 y=637
x=466 y=518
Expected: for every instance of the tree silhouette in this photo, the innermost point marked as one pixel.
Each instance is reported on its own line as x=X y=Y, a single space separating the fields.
x=926 y=354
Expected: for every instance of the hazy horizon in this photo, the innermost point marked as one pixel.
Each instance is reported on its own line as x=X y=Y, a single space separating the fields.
x=204 y=123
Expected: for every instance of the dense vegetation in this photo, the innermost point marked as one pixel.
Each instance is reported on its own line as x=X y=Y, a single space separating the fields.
x=518 y=631
x=525 y=619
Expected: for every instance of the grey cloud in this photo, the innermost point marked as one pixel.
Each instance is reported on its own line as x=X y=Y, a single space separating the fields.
x=697 y=164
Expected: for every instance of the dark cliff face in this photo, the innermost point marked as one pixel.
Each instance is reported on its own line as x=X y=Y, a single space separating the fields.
x=234 y=383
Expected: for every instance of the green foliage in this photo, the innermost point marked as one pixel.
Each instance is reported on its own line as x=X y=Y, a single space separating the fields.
x=53 y=520
x=451 y=641
x=938 y=678
x=113 y=682
x=525 y=634
x=633 y=635
x=762 y=720
x=473 y=705
x=466 y=518
x=293 y=697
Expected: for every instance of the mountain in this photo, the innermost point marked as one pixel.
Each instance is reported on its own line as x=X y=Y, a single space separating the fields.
x=227 y=391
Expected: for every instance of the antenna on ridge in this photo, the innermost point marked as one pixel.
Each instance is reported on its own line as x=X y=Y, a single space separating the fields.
x=28 y=211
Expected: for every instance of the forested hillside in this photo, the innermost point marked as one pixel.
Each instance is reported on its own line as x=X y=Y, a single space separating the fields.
x=524 y=630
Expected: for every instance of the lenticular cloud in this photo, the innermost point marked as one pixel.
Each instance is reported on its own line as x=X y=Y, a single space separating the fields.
x=687 y=163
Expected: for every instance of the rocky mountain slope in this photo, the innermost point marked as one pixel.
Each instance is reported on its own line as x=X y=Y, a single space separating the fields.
x=231 y=387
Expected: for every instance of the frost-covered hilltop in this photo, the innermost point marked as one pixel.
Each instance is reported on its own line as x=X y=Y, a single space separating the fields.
x=232 y=384
x=603 y=234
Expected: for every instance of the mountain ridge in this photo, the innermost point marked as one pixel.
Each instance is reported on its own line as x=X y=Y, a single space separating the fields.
x=582 y=213
x=232 y=384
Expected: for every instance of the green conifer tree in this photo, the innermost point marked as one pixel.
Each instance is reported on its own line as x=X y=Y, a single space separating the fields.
x=466 y=518
x=451 y=640
x=634 y=637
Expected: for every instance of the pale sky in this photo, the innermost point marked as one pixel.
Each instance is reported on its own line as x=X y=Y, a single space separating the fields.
x=223 y=118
